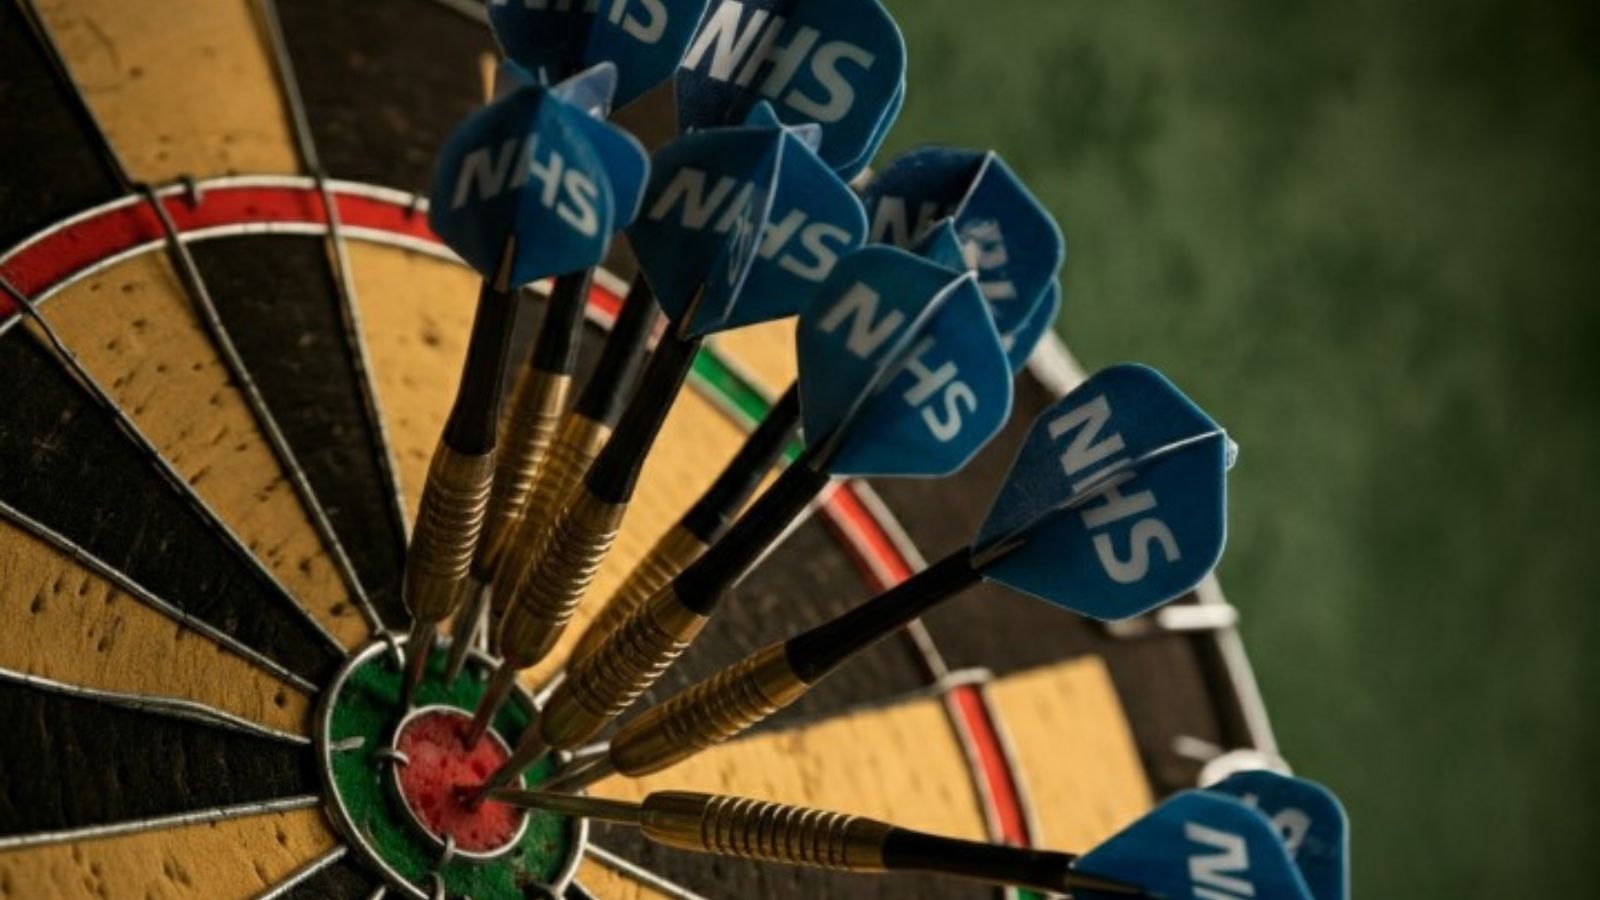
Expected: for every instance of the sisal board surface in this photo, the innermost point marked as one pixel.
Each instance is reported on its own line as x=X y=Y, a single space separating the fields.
x=902 y=764
x=235 y=858
x=80 y=630
x=133 y=328
x=764 y=353
x=1075 y=754
x=183 y=87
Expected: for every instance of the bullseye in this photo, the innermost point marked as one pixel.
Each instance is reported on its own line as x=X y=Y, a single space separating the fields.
x=437 y=764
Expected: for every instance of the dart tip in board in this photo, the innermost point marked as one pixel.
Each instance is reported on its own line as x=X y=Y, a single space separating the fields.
x=438 y=765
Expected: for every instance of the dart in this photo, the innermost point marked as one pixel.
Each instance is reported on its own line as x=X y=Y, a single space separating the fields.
x=1114 y=505
x=740 y=226
x=529 y=186
x=901 y=374
x=1311 y=821
x=1011 y=241
x=775 y=832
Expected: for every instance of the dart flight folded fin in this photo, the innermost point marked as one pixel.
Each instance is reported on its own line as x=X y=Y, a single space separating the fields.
x=839 y=63
x=1116 y=501
x=1309 y=819
x=1199 y=845
x=749 y=214
x=534 y=167
x=1008 y=237
x=900 y=366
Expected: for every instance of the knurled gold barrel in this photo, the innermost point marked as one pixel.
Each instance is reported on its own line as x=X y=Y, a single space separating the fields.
x=567 y=461
x=529 y=429
x=543 y=602
x=672 y=553
x=600 y=686
x=707 y=714
x=449 y=523
x=760 y=830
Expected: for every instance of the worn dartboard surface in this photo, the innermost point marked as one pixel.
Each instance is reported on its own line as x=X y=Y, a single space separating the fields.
x=217 y=417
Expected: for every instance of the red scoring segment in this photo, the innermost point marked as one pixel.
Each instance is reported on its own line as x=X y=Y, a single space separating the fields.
x=438 y=763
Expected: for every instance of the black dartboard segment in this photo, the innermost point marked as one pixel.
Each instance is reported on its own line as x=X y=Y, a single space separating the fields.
x=271 y=301
x=64 y=463
x=48 y=165
x=73 y=762
x=384 y=82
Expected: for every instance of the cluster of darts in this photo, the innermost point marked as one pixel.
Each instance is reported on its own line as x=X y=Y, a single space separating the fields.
x=919 y=293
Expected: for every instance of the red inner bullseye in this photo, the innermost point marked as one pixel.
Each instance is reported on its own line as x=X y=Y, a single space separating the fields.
x=438 y=763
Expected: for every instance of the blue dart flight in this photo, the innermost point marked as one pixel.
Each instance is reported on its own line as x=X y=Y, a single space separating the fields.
x=1123 y=463
x=838 y=63
x=1116 y=503
x=1310 y=820
x=535 y=171
x=1198 y=844
x=754 y=200
x=1008 y=236
x=895 y=368
x=644 y=39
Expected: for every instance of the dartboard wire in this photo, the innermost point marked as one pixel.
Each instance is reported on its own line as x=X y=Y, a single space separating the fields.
x=339 y=264
x=159 y=823
x=175 y=480
x=172 y=707
x=303 y=874
x=640 y=874
x=200 y=297
x=139 y=592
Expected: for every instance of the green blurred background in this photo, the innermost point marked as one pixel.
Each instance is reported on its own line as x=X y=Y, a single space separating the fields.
x=1364 y=235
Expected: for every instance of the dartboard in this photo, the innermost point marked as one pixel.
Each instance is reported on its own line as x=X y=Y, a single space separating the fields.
x=229 y=344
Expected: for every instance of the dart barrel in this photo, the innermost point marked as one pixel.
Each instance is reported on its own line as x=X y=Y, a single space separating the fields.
x=530 y=426
x=624 y=665
x=448 y=525
x=547 y=597
x=570 y=454
x=670 y=555
x=707 y=714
